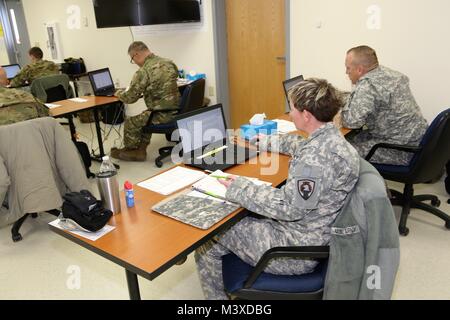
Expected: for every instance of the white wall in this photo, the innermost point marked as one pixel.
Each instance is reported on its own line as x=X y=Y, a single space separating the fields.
x=108 y=47
x=413 y=39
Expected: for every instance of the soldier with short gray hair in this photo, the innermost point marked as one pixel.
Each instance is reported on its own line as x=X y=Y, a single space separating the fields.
x=156 y=81
x=323 y=171
x=18 y=105
x=381 y=103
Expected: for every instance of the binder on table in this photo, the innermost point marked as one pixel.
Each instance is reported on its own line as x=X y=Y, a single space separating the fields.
x=198 y=212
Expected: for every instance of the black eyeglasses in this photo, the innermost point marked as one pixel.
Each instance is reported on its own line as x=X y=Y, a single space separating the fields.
x=132 y=57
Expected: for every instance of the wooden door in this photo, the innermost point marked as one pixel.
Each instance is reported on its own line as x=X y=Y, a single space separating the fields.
x=256 y=58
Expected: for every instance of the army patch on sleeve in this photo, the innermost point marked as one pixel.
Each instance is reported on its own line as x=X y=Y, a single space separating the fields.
x=306 y=188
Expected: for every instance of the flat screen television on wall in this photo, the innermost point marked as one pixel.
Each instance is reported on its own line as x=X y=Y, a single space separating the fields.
x=121 y=13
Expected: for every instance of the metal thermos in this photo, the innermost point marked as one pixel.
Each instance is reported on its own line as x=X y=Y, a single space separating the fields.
x=109 y=191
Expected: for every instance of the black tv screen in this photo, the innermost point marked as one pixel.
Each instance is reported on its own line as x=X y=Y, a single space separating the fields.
x=169 y=11
x=116 y=13
x=121 y=13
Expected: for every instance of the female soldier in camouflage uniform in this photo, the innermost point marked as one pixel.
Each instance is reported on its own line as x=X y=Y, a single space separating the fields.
x=323 y=170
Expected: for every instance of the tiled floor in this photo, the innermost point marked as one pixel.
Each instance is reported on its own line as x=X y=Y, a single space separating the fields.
x=44 y=265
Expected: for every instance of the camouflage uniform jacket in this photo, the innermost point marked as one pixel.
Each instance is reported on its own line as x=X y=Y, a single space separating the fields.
x=17 y=105
x=323 y=170
x=157 y=81
x=383 y=103
x=33 y=71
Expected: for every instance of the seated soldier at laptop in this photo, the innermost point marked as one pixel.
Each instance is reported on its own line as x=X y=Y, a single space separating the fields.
x=36 y=69
x=156 y=79
x=18 y=105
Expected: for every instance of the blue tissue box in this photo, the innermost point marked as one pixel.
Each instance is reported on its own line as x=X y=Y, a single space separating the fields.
x=248 y=131
x=196 y=77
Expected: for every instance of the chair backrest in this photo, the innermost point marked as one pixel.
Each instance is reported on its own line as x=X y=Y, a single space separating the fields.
x=193 y=96
x=56 y=93
x=40 y=86
x=429 y=162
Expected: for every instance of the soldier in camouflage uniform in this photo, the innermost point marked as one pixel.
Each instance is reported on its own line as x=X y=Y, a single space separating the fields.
x=17 y=105
x=382 y=104
x=323 y=170
x=156 y=80
x=38 y=68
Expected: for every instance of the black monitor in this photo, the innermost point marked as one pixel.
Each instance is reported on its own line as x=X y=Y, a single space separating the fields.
x=121 y=13
x=11 y=70
x=116 y=13
x=288 y=84
x=169 y=11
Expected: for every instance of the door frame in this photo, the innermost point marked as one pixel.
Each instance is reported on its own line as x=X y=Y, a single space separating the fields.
x=221 y=52
x=10 y=42
x=7 y=33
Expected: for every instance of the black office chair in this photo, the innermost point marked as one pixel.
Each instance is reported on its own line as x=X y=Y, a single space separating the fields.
x=426 y=164
x=447 y=180
x=191 y=99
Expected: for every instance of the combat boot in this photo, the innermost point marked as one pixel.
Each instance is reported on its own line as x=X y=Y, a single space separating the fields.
x=127 y=154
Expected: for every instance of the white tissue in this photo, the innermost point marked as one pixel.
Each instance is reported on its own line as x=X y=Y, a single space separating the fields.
x=258 y=119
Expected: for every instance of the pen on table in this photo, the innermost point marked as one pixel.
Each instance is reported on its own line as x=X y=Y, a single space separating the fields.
x=212 y=152
x=219 y=177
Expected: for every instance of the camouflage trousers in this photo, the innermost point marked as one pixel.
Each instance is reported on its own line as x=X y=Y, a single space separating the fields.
x=363 y=143
x=248 y=239
x=133 y=136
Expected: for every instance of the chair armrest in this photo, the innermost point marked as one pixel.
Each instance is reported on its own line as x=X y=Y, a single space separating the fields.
x=149 y=122
x=311 y=252
x=399 y=147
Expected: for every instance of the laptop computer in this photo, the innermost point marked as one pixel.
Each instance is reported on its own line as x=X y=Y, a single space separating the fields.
x=288 y=84
x=11 y=70
x=102 y=83
x=205 y=141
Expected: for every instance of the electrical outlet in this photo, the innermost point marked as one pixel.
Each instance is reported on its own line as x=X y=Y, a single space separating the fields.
x=211 y=91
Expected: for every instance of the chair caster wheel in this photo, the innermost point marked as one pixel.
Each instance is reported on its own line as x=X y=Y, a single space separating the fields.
x=17 y=237
x=159 y=164
x=403 y=231
x=436 y=203
x=160 y=152
x=447 y=224
x=448 y=201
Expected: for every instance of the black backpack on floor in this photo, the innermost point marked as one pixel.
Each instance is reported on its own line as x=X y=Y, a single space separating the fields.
x=83 y=150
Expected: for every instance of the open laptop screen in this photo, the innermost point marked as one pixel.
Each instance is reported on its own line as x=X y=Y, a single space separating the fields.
x=288 y=84
x=11 y=70
x=101 y=80
x=201 y=128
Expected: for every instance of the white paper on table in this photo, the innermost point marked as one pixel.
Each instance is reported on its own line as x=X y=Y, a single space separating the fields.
x=212 y=185
x=172 y=180
x=79 y=100
x=51 y=105
x=284 y=126
x=93 y=236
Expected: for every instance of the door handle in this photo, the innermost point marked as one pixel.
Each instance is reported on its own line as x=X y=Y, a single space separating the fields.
x=281 y=58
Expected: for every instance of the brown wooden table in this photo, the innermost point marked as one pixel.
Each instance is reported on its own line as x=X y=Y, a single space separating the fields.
x=146 y=243
x=68 y=108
